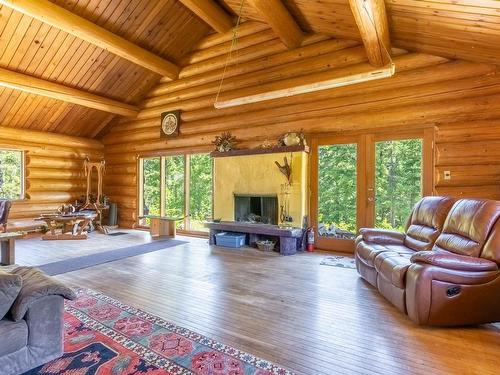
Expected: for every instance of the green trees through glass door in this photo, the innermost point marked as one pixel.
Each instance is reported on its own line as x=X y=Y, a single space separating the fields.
x=398 y=181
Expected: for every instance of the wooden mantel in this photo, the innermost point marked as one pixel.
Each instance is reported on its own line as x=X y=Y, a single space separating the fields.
x=257 y=151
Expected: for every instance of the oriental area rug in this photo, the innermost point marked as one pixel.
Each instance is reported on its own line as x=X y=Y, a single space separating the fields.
x=106 y=337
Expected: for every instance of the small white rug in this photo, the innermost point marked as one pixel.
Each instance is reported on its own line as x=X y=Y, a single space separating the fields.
x=339 y=261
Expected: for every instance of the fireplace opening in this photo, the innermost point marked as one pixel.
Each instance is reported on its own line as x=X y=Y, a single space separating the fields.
x=256 y=208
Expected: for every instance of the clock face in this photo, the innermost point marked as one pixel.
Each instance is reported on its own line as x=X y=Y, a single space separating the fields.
x=169 y=124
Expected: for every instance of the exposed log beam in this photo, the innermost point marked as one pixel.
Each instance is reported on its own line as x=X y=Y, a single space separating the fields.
x=371 y=18
x=37 y=86
x=280 y=20
x=56 y=16
x=211 y=13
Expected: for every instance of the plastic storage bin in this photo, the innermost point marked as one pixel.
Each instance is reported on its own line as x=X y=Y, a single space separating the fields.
x=230 y=239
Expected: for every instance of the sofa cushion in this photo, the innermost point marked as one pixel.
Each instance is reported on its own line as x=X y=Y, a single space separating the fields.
x=467 y=226
x=393 y=266
x=368 y=251
x=14 y=336
x=10 y=285
x=36 y=285
x=426 y=222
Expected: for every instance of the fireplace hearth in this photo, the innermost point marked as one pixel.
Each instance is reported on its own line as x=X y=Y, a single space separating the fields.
x=261 y=209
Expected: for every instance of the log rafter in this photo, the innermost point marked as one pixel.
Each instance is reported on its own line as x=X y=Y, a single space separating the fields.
x=371 y=19
x=37 y=86
x=58 y=17
x=280 y=20
x=211 y=13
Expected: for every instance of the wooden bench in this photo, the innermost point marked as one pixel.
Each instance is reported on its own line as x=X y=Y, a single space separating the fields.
x=25 y=225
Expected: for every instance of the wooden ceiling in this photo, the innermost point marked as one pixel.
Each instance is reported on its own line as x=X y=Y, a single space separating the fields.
x=463 y=29
x=29 y=46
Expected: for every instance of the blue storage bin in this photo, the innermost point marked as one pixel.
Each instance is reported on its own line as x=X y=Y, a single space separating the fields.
x=230 y=239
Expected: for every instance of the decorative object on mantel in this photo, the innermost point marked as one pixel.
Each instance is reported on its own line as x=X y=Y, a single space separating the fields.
x=260 y=150
x=293 y=139
x=170 y=122
x=267 y=144
x=286 y=169
x=224 y=142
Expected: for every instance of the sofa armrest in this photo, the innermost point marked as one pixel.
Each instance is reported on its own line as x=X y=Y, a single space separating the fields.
x=383 y=236
x=445 y=259
x=36 y=286
x=434 y=295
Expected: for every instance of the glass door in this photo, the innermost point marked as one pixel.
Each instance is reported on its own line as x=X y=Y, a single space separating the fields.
x=398 y=181
x=337 y=167
x=368 y=180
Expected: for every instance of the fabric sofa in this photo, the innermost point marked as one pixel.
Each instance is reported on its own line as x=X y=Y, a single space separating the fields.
x=444 y=270
x=31 y=325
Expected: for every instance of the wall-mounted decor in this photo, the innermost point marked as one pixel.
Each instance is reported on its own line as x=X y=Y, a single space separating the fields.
x=170 y=122
x=224 y=142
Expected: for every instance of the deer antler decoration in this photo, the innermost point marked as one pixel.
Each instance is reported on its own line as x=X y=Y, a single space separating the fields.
x=286 y=169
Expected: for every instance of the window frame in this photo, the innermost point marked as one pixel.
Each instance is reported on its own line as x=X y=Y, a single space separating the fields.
x=187 y=176
x=22 y=194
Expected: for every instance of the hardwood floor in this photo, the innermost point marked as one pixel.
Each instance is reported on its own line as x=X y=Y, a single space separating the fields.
x=309 y=318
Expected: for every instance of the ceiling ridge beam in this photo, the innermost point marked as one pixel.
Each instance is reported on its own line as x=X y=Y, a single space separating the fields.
x=58 y=17
x=371 y=19
x=280 y=20
x=210 y=12
x=38 y=86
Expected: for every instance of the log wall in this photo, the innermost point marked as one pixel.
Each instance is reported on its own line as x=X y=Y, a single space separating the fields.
x=53 y=169
x=470 y=151
x=426 y=91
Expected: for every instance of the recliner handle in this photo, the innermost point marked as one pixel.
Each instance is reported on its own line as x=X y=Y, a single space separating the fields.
x=453 y=291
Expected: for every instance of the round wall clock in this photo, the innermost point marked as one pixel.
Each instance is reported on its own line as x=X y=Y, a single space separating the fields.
x=170 y=124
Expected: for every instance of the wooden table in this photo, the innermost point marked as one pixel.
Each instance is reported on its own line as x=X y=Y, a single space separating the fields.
x=161 y=226
x=71 y=226
x=8 y=247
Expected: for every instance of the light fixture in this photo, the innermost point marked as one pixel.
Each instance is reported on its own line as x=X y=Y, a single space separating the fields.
x=310 y=87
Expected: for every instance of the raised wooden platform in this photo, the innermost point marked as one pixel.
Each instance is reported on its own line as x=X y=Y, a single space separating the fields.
x=290 y=239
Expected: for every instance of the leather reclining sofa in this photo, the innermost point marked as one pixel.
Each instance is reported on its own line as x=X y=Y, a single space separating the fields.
x=444 y=270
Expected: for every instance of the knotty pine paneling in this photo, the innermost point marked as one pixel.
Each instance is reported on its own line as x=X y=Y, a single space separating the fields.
x=426 y=91
x=53 y=169
x=164 y=27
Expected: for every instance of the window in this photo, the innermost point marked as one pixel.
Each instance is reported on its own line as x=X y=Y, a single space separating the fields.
x=11 y=174
x=178 y=186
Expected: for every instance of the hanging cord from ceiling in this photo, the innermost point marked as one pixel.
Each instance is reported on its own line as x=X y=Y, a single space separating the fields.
x=234 y=44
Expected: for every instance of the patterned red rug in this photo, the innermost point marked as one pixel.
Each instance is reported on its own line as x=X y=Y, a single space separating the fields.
x=106 y=337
